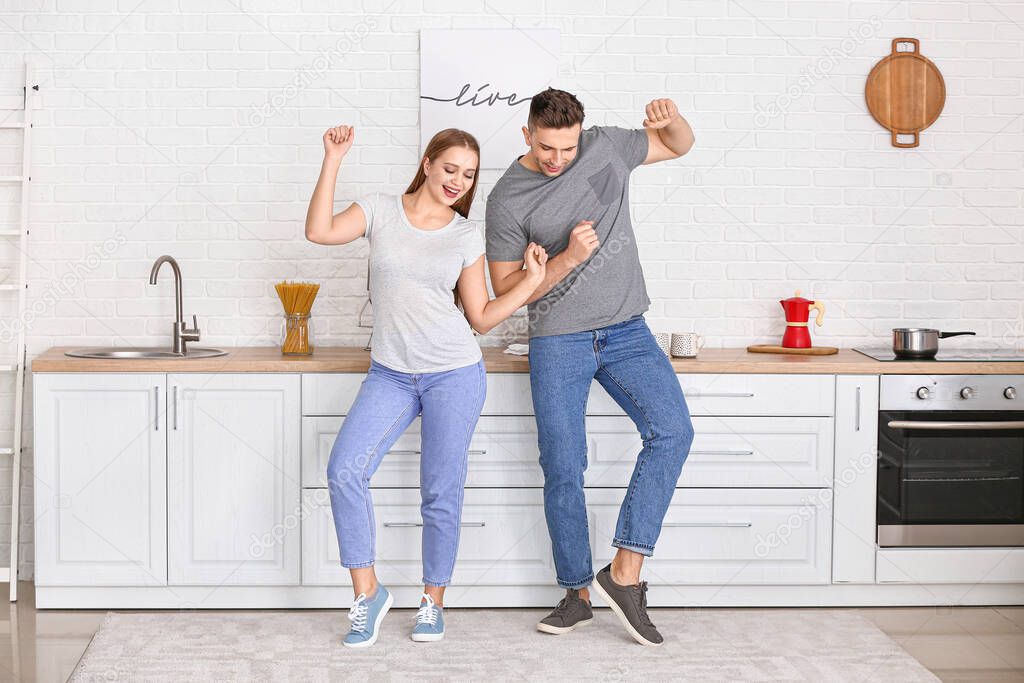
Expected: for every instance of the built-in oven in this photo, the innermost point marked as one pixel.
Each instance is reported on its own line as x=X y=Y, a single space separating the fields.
x=950 y=461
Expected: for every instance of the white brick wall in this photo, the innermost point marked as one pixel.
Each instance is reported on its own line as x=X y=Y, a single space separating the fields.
x=193 y=129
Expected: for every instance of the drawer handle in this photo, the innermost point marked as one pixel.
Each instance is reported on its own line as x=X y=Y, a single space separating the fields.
x=722 y=452
x=707 y=524
x=407 y=525
x=418 y=452
x=721 y=394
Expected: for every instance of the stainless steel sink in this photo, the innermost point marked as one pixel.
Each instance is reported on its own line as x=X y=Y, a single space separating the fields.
x=143 y=352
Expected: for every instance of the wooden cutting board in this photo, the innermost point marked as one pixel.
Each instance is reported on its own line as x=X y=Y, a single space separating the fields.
x=813 y=351
x=905 y=92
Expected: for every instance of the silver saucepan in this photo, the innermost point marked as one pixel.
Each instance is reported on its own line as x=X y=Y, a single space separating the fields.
x=919 y=342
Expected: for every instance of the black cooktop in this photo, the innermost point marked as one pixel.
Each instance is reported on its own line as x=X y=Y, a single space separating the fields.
x=1000 y=355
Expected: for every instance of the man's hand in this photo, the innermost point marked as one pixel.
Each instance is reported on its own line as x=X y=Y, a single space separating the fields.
x=660 y=113
x=582 y=242
x=338 y=141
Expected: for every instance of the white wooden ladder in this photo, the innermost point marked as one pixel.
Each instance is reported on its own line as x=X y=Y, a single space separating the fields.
x=14 y=332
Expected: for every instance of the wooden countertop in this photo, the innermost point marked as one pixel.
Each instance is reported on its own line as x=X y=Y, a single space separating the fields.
x=355 y=359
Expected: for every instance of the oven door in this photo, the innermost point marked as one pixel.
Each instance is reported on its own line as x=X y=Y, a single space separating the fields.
x=950 y=478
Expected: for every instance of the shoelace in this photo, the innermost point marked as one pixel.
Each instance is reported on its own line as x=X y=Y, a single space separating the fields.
x=428 y=612
x=563 y=605
x=357 y=614
x=643 y=605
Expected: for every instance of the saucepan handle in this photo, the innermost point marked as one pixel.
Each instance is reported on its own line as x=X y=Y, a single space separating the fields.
x=944 y=335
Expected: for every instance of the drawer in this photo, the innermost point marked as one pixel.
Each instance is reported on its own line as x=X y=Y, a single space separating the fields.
x=736 y=537
x=726 y=451
x=504 y=539
x=509 y=394
x=810 y=395
x=329 y=393
x=503 y=452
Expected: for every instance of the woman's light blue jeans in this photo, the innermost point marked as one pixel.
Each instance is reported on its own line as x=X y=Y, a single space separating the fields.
x=626 y=360
x=386 y=404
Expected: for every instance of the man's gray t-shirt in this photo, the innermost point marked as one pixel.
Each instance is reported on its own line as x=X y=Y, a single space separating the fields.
x=417 y=327
x=527 y=206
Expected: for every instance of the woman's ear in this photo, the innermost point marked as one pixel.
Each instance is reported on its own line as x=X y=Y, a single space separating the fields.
x=426 y=165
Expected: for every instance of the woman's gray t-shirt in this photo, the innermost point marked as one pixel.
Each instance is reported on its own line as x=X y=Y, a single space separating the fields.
x=413 y=272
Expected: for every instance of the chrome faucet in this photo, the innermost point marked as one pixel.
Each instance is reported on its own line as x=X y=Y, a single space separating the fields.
x=182 y=334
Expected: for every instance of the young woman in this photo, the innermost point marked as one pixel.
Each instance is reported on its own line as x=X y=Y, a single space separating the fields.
x=424 y=360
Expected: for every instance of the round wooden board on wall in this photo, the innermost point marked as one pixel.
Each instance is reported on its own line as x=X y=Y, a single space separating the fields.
x=905 y=92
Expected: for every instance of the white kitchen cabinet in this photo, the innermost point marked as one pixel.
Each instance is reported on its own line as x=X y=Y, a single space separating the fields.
x=728 y=536
x=726 y=452
x=502 y=452
x=100 y=466
x=853 y=533
x=233 y=479
x=503 y=542
x=508 y=393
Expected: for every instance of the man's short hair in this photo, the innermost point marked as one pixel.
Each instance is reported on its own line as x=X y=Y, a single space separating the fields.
x=554 y=109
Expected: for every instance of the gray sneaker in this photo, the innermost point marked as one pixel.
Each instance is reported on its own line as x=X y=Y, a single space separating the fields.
x=630 y=604
x=572 y=611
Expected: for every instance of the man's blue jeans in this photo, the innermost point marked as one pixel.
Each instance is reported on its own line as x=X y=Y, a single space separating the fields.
x=626 y=359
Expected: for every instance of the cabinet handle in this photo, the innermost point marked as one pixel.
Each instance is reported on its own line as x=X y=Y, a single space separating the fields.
x=707 y=524
x=417 y=452
x=722 y=452
x=175 y=401
x=721 y=394
x=406 y=525
x=856 y=414
x=156 y=409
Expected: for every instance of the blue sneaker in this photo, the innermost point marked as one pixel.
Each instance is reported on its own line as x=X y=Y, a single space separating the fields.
x=366 y=616
x=429 y=621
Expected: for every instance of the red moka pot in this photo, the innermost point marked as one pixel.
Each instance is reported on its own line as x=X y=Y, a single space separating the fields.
x=798 y=311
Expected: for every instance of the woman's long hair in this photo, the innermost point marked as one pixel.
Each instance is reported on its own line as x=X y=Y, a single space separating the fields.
x=449 y=137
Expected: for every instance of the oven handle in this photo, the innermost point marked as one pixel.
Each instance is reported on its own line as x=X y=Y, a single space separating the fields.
x=963 y=426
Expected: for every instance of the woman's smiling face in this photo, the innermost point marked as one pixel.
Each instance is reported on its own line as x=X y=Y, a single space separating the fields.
x=451 y=174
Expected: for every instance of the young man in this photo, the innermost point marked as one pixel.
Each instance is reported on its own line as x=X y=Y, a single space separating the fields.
x=570 y=194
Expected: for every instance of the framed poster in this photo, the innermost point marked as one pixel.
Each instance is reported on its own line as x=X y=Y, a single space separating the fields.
x=481 y=80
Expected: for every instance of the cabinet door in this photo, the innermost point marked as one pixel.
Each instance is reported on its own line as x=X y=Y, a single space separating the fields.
x=853 y=536
x=100 y=464
x=233 y=479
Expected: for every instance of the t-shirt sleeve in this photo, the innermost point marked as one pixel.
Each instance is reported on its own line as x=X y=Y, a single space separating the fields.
x=474 y=247
x=369 y=205
x=506 y=239
x=630 y=143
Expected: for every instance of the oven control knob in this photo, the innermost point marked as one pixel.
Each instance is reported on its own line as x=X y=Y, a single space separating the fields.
x=966 y=393
x=1010 y=393
x=923 y=393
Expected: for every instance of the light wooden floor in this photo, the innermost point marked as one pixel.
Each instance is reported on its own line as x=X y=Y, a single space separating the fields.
x=957 y=644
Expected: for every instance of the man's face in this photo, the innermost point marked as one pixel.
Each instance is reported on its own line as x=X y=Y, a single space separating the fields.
x=552 y=149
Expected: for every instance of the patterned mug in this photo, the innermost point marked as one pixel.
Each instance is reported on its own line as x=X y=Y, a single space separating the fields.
x=686 y=344
x=664 y=340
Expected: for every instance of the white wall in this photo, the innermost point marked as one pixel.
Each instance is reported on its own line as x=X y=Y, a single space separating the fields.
x=177 y=128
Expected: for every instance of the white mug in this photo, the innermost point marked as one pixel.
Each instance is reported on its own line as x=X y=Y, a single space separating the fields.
x=686 y=344
x=664 y=340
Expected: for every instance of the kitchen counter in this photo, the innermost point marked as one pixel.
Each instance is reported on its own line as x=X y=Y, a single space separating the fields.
x=355 y=359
